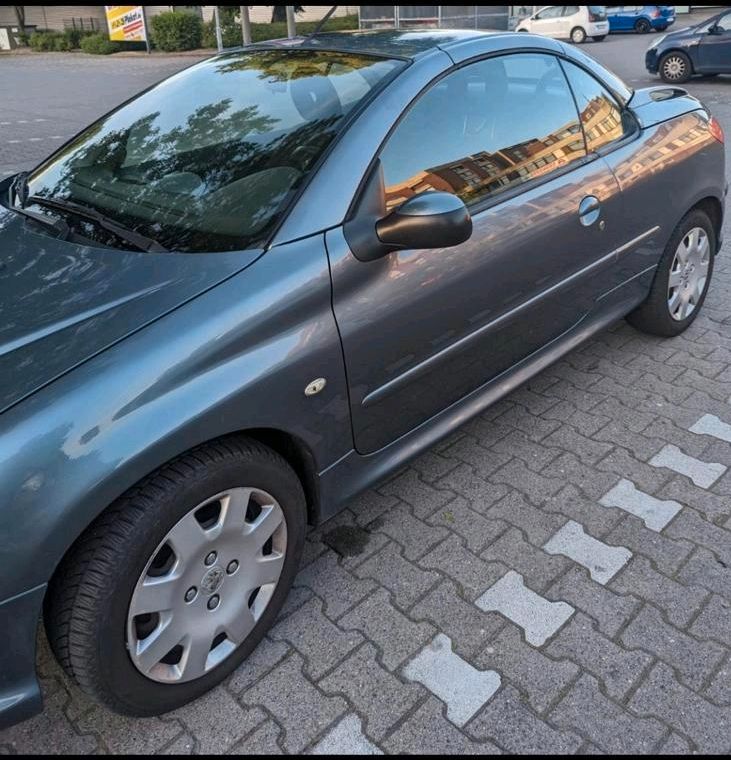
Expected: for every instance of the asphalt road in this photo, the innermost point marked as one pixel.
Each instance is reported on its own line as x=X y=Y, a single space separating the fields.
x=550 y=558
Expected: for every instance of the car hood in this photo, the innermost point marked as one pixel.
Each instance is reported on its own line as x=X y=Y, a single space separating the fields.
x=61 y=303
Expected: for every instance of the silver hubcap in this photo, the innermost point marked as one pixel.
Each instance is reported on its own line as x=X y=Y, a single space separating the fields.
x=674 y=67
x=207 y=584
x=578 y=36
x=689 y=274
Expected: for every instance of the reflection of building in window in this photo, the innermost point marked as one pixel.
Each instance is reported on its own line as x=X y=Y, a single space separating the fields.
x=602 y=122
x=473 y=177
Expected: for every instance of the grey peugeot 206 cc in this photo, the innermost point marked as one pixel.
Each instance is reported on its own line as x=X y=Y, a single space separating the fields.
x=268 y=281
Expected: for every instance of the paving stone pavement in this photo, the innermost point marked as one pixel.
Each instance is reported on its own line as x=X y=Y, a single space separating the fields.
x=640 y=659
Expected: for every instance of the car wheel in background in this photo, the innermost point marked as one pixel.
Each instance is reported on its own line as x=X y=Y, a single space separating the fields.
x=578 y=35
x=599 y=37
x=175 y=584
x=682 y=279
x=675 y=68
x=643 y=26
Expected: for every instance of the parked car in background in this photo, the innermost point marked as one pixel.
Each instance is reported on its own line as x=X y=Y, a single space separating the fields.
x=568 y=22
x=640 y=18
x=270 y=281
x=704 y=49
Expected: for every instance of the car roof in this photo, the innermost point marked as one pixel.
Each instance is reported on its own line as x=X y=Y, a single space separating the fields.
x=394 y=43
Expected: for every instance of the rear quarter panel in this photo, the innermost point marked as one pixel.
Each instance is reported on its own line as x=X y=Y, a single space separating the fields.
x=671 y=167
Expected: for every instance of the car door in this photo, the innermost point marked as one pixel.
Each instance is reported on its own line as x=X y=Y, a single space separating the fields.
x=714 y=51
x=423 y=328
x=570 y=18
x=548 y=21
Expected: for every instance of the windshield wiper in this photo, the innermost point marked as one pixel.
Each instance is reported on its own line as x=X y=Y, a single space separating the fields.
x=56 y=224
x=137 y=239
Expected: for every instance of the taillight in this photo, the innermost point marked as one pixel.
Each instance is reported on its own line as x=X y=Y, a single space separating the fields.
x=716 y=130
x=593 y=18
x=656 y=13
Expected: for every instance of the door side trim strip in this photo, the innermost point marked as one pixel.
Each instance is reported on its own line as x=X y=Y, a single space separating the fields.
x=422 y=368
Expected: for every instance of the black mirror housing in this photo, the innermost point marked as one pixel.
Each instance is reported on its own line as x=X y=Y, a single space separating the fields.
x=428 y=220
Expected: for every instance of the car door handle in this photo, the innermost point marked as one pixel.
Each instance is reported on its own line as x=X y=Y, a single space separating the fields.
x=589 y=210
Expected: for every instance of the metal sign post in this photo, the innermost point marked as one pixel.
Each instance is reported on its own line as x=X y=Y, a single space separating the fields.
x=291 y=24
x=219 y=35
x=245 y=24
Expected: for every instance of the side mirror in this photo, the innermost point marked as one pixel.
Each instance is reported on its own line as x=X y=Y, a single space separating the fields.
x=428 y=220
x=715 y=29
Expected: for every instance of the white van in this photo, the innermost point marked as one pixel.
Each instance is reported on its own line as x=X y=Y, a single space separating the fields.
x=571 y=22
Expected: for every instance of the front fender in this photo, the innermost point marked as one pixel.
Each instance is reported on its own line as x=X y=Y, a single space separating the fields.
x=235 y=358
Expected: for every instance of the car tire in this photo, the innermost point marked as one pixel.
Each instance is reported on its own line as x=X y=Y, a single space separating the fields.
x=599 y=38
x=105 y=578
x=661 y=314
x=675 y=67
x=578 y=35
x=643 y=26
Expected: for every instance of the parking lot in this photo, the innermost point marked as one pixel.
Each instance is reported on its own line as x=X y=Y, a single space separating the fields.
x=493 y=596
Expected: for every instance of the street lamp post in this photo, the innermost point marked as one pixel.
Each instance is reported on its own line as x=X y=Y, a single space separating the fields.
x=245 y=24
x=291 y=24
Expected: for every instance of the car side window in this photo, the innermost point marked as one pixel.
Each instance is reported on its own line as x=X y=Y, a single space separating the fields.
x=570 y=10
x=602 y=117
x=553 y=11
x=485 y=128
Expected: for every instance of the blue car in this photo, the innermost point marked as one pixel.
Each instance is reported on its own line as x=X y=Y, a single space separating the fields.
x=640 y=18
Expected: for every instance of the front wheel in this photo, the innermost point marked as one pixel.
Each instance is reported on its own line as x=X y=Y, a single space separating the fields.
x=178 y=581
x=675 y=68
x=681 y=281
x=599 y=38
x=643 y=26
x=578 y=35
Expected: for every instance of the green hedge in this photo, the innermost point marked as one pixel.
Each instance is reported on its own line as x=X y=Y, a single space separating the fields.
x=44 y=40
x=176 y=30
x=99 y=44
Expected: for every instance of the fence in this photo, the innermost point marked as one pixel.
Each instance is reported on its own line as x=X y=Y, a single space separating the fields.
x=435 y=16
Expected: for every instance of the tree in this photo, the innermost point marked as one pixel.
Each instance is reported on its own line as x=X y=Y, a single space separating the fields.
x=279 y=12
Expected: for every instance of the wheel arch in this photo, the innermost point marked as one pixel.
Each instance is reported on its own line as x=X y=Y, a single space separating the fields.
x=713 y=207
x=291 y=448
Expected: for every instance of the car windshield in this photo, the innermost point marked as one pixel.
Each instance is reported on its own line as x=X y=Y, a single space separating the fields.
x=208 y=159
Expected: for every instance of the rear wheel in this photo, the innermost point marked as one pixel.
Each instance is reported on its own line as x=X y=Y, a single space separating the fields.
x=682 y=279
x=599 y=37
x=643 y=26
x=578 y=35
x=178 y=581
x=675 y=68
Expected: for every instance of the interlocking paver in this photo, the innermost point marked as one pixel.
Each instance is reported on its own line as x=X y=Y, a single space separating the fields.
x=472 y=573
x=675 y=744
x=705 y=570
x=476 y=531
x=611 y=611
x=511 y=725
x=537 y=524
x=617 y=669
x=677 y=601
x=406 y=581
x=414 y=535
x=538 y=568
x=264 y=741
x=689 y=525
x=307 y=629
x=614 y=730
x=428 y=732
x=668 y=554
x=218 y=721
x=541 y=678
x=719 y=690
x=345 y=739
x=655 y=513
x=397 y=636
x=301 y=709
x=707 y=725
x=601 y=560
x=372 y=690
x=714 y=622
x=468 y=627
x=461 y=687
x=703 y=474
x=709 y=424
x=539 y=618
